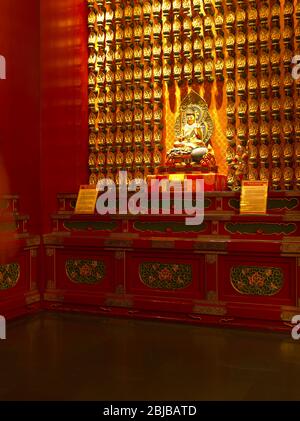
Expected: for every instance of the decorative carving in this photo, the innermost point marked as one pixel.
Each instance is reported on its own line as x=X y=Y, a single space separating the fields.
x=50 y=284
x=256 y=280
x=287 y=316
x=87 y=271
x=211 y=245
x=118 y=243
x=234 y=203
x=166 y=244
x=33 y=241
x=54 y=296
x=292 y=247
x=214 y=311
x=4 y=204
x=119 y=302
x=166 y=276
x=33 y=253
x=50 y=252
x=211 y=296
x=283 y=203
x=119 y=255
x=255 y=228
x=33 y=298
x=9 y=275
x=211 y=259
x=278 y=203
x=175 y=227
x=90 y=225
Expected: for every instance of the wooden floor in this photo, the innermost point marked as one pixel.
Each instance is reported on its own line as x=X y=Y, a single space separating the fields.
x=77 y=357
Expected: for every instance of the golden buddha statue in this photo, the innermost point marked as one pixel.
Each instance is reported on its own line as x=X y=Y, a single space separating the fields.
x=193 y=131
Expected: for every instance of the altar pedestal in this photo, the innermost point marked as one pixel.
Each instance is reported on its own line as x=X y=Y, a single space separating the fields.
x=232 y=270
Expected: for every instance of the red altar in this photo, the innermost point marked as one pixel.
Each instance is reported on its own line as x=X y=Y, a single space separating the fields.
x=20 y=258
x=232 y=270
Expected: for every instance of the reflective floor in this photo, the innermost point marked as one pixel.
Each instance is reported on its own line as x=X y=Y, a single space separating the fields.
x=77 y=357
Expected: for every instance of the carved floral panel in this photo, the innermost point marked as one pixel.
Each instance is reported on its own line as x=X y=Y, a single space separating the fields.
x=9 y=275
x=166 y=276
x=256 y=280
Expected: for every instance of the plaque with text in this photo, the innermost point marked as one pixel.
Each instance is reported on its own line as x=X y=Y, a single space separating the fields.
x=86 y=200
x=254 y=197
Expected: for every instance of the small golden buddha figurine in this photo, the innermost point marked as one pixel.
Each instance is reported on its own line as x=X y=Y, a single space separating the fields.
x=193 y=130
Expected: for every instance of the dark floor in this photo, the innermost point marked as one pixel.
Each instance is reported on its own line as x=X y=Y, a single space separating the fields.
x=76 y=357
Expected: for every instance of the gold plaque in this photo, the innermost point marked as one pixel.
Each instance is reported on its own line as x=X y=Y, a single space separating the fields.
x=254 y=197
x=86 y=200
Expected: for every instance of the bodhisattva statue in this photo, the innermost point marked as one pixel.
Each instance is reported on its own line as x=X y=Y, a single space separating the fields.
x=193 y=131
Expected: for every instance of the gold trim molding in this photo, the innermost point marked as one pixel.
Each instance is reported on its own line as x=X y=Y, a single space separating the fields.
x=214 y=311
x=119 y=302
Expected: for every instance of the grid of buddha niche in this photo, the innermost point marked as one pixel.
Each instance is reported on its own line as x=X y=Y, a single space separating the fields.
x=138 y=48
x=125 y=89
x=263 y=129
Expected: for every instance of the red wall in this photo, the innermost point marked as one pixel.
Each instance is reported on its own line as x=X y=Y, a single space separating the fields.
x=19 y=103
x=43 y=102
x=64 y=111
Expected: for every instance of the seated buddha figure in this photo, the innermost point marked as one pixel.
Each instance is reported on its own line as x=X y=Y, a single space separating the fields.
x=192 y=145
